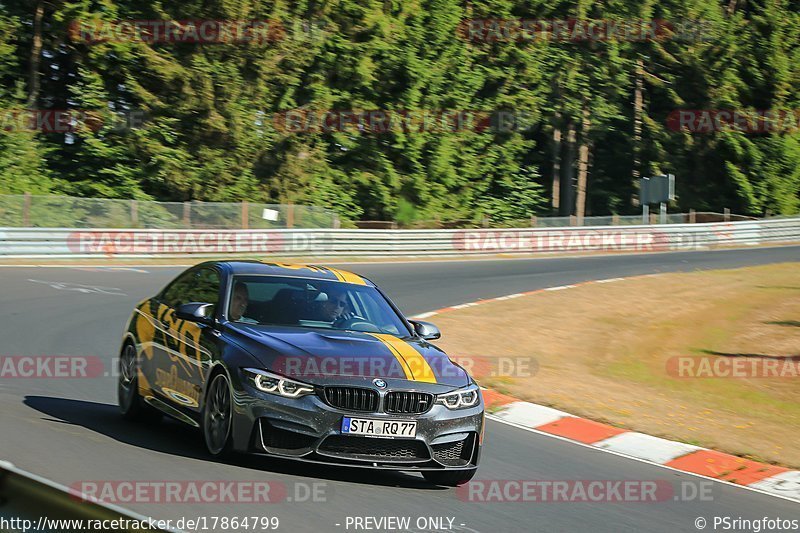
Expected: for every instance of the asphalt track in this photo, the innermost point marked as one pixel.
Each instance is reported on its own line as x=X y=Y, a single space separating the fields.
x=69 y=430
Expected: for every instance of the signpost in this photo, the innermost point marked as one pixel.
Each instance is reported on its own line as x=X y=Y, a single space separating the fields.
x=656 y=190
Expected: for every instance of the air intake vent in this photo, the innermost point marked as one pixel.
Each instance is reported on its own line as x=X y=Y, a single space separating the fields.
x=384 y=449
x=272 y=437
x=456 y=453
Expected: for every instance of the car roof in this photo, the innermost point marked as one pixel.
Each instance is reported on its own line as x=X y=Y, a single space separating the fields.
x=296 y=270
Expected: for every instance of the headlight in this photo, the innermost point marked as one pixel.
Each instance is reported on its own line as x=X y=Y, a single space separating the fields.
x=460 y=399
x=275 y=384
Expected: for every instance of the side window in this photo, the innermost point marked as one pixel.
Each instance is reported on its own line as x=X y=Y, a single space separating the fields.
x=206 y=288
x=201 y=285
x=176 y=292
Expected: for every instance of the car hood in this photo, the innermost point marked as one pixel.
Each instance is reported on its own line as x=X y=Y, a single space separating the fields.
x=323 y=356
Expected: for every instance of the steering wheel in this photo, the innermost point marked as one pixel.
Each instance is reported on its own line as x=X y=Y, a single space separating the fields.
x=358 y=323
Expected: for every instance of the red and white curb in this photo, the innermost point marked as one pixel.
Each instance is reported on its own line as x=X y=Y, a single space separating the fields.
x=711 y=464
x=771 y=479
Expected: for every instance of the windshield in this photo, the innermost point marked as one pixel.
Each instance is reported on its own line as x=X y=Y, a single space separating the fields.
x=284 y=301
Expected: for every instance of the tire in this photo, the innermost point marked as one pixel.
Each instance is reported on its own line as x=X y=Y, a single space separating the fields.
x=131 y=405
x=449 y=478
x=218 y=417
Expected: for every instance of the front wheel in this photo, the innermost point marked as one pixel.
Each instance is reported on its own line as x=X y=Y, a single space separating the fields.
x=449 y=478
x=217 y=417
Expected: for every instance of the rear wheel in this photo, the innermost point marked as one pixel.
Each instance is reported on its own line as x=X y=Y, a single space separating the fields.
x=449 y=478
x=131 y=405
x=217 y=417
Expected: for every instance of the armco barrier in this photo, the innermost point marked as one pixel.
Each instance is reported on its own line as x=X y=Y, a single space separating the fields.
x=65 y=242
x=32 y=503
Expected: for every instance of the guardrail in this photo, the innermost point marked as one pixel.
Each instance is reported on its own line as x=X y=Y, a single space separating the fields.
x=32 y=503
x=137 y=243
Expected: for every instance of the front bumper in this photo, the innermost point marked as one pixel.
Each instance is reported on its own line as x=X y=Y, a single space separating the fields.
x=309 y=429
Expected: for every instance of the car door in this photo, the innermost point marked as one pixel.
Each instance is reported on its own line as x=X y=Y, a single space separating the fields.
x=184 y=349
x=153 y=332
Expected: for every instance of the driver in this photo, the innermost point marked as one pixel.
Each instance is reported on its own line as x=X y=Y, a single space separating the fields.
x=239 y=302
x=334 y=308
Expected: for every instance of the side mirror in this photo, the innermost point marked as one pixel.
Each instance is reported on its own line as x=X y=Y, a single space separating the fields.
x=195 y=312
x=426 y=330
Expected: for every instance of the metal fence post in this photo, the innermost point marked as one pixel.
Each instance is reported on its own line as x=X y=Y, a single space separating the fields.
x=187 y=214
x=26 y=210
x=134 y=214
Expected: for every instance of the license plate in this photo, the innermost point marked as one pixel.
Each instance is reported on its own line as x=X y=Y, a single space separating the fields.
x=378 y=428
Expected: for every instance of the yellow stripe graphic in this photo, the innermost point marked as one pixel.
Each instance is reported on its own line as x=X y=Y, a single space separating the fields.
x=414 y=365
x=294 y=266
x=349 y=277
x=341 y=275
x=335 y=273
x=400 y=359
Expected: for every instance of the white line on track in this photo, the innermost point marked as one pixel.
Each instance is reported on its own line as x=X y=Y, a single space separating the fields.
x=560 y=288
x=78 y=287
